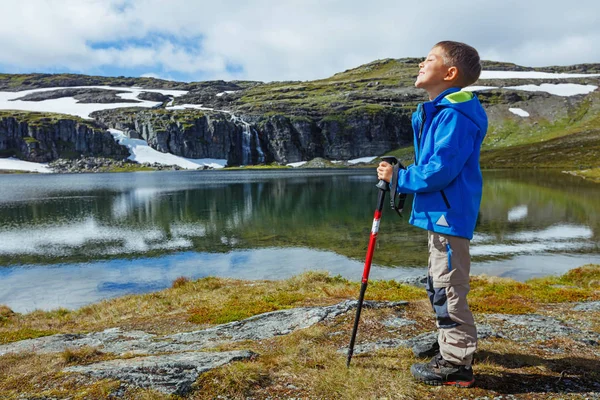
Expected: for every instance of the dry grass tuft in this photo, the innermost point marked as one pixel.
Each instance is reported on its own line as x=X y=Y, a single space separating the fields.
x=179 y=282
x=82 y=355
x=5 y=312
x=238 y=380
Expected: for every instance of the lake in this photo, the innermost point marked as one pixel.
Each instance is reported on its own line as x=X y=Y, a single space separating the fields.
x=70 y=240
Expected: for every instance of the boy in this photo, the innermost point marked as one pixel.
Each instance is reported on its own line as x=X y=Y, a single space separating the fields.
x=447 y=183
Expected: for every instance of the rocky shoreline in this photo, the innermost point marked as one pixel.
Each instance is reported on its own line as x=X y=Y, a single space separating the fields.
x=101 y=164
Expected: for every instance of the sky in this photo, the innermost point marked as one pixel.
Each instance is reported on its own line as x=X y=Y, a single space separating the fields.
x=270 y=40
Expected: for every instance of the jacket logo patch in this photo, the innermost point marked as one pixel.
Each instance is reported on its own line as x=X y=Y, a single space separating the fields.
x=442 y=222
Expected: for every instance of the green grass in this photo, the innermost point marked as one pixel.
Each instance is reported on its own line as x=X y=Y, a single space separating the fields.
x=45 y=119
x=496 y=295
x=22 y=334
x=130 y=167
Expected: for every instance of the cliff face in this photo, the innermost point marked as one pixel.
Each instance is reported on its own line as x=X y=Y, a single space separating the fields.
x=45 y=139
x=186 y=133
x=337 y=137
x=280 y=138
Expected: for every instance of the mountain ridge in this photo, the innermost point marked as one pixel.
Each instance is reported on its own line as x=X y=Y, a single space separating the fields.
x=361 y=110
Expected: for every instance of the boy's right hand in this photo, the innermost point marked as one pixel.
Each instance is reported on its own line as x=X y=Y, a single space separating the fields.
x=385 y=171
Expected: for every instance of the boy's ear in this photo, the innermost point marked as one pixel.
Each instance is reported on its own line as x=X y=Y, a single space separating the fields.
x=451 y=74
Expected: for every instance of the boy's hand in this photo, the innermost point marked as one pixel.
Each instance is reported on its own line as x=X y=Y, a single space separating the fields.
x=384 y=171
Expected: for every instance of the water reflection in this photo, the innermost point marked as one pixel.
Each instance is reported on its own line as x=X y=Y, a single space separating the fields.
x=85 y=229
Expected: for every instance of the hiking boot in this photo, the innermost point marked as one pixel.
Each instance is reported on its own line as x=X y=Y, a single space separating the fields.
x=438 y=372
x=430 y=349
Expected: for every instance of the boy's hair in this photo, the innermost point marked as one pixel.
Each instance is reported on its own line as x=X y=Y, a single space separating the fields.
x=464 y=57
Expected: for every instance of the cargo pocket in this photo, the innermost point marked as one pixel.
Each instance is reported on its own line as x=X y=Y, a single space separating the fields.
x=440 y=259
x=439 y=302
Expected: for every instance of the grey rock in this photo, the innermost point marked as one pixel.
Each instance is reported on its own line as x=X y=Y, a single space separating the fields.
x=169 y=374
x=82 y=95
x=48 y=140
x=423 y=341
x=419 y=281
x=588 y=306
x=397 y=322
x=272 y=324
x=535 y=327
x=261 y=326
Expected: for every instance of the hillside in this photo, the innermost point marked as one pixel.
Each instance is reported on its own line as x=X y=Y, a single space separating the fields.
x=544 y=117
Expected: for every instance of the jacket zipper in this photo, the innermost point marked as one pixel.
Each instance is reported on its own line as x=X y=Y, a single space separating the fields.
x=445 y=199
x=423 y=119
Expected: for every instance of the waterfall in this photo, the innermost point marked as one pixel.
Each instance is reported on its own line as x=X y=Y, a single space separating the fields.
x=248 y=133
x=261 y=155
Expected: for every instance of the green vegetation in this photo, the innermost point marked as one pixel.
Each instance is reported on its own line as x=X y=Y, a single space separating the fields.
x=306 y=363
x=571 y=142
x=593 y=174
x=129 y=167
x=273 y=165
x=354 y=92
x=30 y=140
x=44 y=119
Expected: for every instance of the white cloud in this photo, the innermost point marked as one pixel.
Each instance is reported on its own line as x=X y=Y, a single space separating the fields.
x=295 y=39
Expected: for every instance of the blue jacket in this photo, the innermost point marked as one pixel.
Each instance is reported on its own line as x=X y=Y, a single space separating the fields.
x=446 y=177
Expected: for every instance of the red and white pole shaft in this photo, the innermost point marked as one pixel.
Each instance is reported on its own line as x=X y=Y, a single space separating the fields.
x=383 y=187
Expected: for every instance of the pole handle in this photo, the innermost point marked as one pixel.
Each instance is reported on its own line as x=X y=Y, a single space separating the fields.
x=383 y=185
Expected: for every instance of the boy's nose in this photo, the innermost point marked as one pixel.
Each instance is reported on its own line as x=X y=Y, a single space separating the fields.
x=421 y=64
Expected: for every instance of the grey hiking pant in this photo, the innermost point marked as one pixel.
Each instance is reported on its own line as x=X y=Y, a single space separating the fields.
x=447 y=287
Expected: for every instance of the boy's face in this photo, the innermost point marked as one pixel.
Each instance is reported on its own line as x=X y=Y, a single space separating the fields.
x=433 y=74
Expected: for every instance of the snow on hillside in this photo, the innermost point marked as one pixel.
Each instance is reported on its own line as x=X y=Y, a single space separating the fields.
x=530 y=75
x=561 y=89
x=70 y=106
x=518 y=111
x=142 y=153
x=14 y=164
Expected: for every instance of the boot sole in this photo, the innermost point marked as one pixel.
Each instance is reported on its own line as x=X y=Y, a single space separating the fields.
x=460 y=384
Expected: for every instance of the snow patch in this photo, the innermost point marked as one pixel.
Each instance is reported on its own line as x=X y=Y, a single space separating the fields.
x=519 y=112
x=561 y=89
x=194 y=106
x=70 y=106
x=478 y=88
x=296 y=164
x=142 y=153
x=530 y=75
x=227 y=92
x=14 y=164
x=362 y=160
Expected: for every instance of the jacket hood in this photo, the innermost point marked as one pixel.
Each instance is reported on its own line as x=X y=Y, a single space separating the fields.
x=466 y=103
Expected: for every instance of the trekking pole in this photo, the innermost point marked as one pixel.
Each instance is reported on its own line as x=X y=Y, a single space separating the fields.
x=383 y=187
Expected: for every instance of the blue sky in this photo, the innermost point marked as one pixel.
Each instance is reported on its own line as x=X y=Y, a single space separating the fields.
x=270 y=40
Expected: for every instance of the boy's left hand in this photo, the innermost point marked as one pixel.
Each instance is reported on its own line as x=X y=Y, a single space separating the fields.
x=384 y=171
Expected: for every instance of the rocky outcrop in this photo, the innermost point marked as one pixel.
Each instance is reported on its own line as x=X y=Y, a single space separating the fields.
x=341 y=136
x=187 y=133
x=171 y=364
x=275 y=138
x=174 y=373
x=38 y=138
x=82 y=95
x=169 y=374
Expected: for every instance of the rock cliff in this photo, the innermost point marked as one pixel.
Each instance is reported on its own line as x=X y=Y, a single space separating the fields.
x=43 y=138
